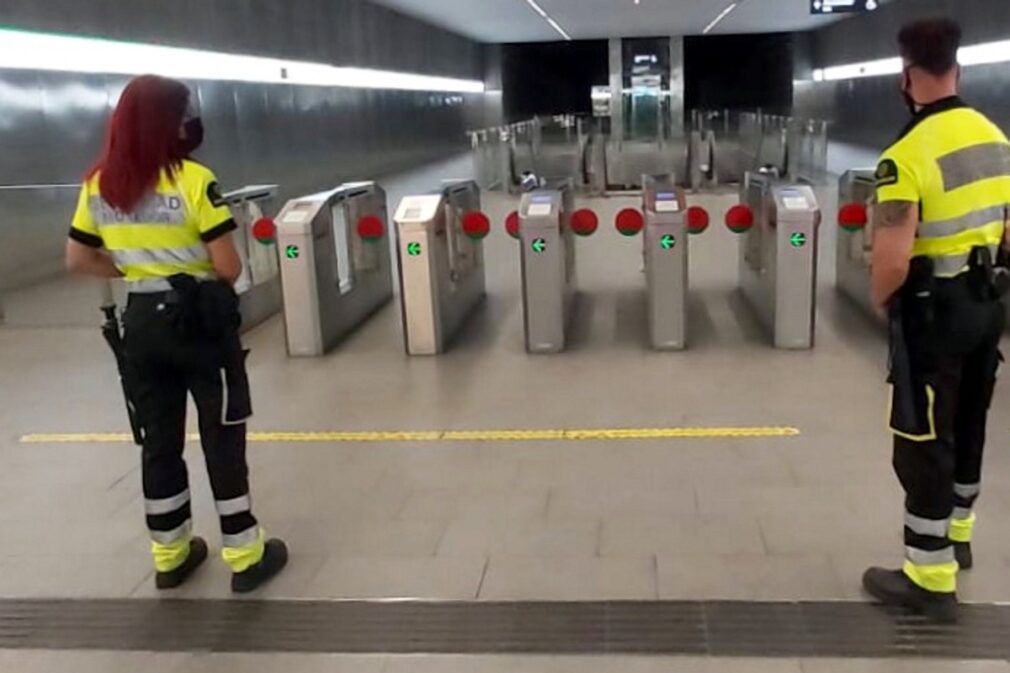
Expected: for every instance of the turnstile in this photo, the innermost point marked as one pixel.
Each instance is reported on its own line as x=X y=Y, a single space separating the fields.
x=778 y=255
x=441 y=259
x=335 y=264
x=547 y=223
x=667 y=221
x=259 y=285
x=855 y=236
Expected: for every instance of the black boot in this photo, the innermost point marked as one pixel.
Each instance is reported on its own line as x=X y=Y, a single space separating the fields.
x=962 y=552
x=174 y=578
x=275 y=557
x=893 y=587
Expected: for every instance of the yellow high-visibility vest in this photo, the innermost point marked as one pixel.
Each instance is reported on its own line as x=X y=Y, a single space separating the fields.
x=166 y=234
x=955 y=164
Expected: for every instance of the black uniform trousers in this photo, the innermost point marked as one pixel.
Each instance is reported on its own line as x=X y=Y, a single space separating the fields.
x=162 y=367
x=958 y=359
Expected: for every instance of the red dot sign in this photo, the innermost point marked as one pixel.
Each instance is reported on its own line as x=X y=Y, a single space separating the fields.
x=697 y=219
x=371 y=228
x=476 y=225
x=584 y=222
x=852 y=216
x=264 y=230
x=630 y=221
x=512 y=224
x=740 y=218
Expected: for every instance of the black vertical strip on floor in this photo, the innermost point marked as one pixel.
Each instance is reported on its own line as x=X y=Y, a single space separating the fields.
x=735 y=629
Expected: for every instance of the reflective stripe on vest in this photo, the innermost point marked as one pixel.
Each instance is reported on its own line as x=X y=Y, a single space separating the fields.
x=972 y=164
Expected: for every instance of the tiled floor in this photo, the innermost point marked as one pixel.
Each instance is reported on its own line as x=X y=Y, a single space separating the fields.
x=789 y=518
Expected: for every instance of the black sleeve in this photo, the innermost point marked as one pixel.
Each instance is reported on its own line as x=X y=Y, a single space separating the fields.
x=220 y=230
x=85 y=238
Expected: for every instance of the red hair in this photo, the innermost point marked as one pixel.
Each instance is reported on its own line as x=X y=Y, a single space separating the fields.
x=142 y=140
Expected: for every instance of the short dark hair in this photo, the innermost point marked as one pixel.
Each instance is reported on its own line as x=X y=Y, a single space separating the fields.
x=931 y=44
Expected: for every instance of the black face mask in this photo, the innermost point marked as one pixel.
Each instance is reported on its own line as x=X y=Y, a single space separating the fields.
x=193 y=129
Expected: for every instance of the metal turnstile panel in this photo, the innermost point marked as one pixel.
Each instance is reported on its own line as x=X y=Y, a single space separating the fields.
x=441 y=268
x=259 y=285
x=547 y=266
x=778 y=258
x=332 y=279
x=852 y=256
x=797 y=222
x=666 y=262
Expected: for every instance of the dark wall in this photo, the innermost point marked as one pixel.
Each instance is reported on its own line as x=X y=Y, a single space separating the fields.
x=870 y=111
x=552 y=77
x=739 y=72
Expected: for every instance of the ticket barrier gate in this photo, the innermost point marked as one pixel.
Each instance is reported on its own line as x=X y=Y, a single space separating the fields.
x=666 y=221
x=546 y=225
x=856 y=189
x=778 y=256
x=335 y=265
x=441 y=260
x=259 y=285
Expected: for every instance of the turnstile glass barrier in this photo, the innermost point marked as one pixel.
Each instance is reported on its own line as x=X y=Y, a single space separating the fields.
x=856 y=189
x=667 y=222
x=441 y=261
x=779 y=222
x=336 y=269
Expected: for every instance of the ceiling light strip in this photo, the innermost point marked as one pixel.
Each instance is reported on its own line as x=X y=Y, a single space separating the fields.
x=25 y=50
x=979 y=54
x=722 y=15
x=549 y=19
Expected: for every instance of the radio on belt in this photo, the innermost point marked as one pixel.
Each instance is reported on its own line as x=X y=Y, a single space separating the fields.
x=778 y=255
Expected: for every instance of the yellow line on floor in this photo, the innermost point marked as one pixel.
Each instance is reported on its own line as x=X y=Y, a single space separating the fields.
x=588 y=434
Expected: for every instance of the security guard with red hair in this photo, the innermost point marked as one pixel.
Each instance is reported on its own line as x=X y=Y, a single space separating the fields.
x=943 y=192
x=155 y=218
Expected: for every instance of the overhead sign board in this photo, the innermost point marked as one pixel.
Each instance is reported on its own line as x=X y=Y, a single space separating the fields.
x=842 y=6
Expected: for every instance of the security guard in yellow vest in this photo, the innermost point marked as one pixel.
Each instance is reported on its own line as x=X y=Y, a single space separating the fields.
x=150 y=215
x=943 y=192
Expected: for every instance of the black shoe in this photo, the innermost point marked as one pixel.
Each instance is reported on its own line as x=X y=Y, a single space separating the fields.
x=275 y=557
x=962 y=552
x=893 y=587
x=174 y=578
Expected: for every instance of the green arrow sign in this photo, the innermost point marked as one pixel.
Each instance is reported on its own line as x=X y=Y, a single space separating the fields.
x=668 y=241
x=414 y=249
x=539 y=245
x=292 y=252
x=798 y=240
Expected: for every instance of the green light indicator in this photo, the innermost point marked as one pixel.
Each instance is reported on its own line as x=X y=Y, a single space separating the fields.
x=668 y=242
x=798 y=240
x=539 y=245
x=414 y=249
x=292 y=252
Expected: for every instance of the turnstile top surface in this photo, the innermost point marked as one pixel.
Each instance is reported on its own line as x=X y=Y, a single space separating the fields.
x=249 y=193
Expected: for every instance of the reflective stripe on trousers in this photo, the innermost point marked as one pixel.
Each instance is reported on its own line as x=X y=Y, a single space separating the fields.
x=170 y=549
x=931 y=566
x=244 y=550
x=962 y=525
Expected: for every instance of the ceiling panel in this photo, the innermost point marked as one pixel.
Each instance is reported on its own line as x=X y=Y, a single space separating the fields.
x=515 y=21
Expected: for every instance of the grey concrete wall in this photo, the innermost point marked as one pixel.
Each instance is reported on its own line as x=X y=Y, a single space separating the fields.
x=870 y=111
x=304 y=138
